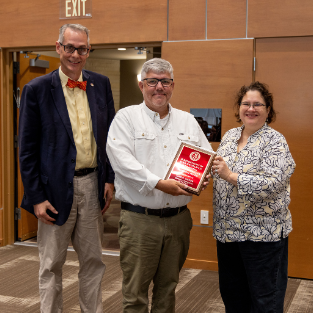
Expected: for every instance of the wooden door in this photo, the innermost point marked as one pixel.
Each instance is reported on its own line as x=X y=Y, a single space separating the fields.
x=27 y=223
x=286 y=65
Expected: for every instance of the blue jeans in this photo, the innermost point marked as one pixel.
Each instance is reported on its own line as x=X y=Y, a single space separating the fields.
x=253 y=275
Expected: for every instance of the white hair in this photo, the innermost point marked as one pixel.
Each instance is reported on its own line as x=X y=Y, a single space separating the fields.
x=158 y=66
x=75 y=27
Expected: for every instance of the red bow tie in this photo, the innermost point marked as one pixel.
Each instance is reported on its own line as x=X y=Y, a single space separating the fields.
x=73 y=84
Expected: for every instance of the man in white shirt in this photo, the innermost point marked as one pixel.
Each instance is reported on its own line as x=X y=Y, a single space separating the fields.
x=155 y=222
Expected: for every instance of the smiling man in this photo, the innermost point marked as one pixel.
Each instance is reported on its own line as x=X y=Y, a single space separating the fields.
x=155 y=222
x=68 y=180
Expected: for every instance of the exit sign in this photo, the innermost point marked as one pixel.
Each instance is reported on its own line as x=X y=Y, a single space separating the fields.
x=75 y=9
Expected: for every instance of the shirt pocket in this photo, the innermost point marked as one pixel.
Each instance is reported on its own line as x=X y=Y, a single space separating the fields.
x=145 y=147
x=192 y=139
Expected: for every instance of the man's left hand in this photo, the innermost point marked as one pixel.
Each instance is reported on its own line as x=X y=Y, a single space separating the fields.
x=108 y=195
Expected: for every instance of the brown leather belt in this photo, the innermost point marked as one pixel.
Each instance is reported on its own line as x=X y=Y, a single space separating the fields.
x=166 y=212
x=85 y=171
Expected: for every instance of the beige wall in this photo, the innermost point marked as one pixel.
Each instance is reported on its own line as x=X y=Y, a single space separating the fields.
x=111 y=69
x=130 y=92
x=123 y=78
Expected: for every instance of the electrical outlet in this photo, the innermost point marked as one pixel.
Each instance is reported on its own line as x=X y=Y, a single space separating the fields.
x=204 y=217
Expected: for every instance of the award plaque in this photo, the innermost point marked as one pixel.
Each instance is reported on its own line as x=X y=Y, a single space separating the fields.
x=190 y=166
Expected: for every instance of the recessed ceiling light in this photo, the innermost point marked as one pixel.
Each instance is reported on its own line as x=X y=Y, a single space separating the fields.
x=121 y=48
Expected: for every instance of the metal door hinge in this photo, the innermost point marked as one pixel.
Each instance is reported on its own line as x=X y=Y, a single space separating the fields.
x=17 y=97
x=254 y=63
x=18 y=214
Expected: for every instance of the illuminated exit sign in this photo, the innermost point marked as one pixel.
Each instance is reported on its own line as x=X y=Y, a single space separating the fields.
x=74 y=9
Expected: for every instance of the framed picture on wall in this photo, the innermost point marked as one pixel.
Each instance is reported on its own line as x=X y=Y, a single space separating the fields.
x=210 y=121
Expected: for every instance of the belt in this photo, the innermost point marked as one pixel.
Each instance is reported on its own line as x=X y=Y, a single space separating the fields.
x=166 y=212
x=85 y=171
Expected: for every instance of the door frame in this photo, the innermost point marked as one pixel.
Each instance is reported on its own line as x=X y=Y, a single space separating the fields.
x=7 y=147
x=7 y=213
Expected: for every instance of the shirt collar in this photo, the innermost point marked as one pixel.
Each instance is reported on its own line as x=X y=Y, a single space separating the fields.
x=254 y=135
x=154 y=115
x=64 y=78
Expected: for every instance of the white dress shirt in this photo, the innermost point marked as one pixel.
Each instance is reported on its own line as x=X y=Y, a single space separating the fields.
x=141 y=147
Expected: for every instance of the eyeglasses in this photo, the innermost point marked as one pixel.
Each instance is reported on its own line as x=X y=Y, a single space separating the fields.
x=71 y=49
x=256 y=105
x=152 y=82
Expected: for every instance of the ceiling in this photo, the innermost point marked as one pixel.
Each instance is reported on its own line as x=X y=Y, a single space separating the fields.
x=128 y=54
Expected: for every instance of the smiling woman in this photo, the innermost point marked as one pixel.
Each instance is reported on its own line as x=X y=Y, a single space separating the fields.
x=251 y=194
x=254 y=106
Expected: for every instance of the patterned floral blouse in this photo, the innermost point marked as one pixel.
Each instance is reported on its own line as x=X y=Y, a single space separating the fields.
x=257 y=209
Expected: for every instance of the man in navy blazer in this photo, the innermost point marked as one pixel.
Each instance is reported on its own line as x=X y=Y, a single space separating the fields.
x=68 y=180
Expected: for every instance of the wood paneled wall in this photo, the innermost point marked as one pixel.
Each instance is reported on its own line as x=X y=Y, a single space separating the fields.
x=286 y=65
x=268 y=18
x=35 y=23
x=1 y=201
x=207 y=75
x=133 y=21
x=226 y=19
x=186 y=20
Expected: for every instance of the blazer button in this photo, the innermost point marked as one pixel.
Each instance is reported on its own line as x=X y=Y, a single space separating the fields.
x=70 y=184
x=73 y=161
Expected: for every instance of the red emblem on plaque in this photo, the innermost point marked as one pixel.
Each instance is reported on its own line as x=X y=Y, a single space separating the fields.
x=195 y=156
x=190 y=166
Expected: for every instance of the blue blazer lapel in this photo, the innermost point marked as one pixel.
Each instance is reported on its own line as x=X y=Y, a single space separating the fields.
x=59 y=102
x=91 y=95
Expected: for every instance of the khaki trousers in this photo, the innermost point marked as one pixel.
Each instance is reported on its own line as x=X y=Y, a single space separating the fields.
x=85 y=228
x=152 y=248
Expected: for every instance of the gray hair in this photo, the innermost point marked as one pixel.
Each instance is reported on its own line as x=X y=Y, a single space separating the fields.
x=157 y=65
x=75 y=27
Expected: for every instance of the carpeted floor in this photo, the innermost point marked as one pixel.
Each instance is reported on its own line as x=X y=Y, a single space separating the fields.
x=197 y=291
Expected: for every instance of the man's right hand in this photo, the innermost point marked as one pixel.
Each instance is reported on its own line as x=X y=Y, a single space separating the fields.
x=41 y=212
x=172 y=187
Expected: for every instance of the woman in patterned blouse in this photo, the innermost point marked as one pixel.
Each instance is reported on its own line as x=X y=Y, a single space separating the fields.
x=251 y=216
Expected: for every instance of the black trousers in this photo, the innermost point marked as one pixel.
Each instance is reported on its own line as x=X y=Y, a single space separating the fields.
x=253 y=275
